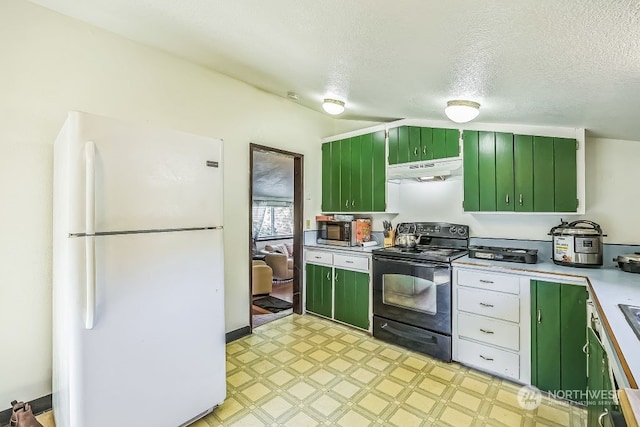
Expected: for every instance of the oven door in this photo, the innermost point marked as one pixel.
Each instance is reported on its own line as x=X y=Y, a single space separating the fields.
x=414 y=293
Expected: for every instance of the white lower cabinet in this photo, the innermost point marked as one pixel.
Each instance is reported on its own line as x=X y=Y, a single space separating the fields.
x=491 y=323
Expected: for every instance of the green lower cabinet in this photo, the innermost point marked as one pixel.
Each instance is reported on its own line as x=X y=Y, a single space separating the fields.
x=558 y=335
x=318 y=292
x=352 y=298
x=599 y=387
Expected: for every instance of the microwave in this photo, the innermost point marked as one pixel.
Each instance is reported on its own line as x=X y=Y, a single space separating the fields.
x=340 y=233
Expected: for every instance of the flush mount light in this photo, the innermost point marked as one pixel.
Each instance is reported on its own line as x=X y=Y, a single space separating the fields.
x=461 y=111
x=333 y=106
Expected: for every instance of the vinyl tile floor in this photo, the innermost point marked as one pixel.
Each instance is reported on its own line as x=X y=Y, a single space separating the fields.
x=307 y=371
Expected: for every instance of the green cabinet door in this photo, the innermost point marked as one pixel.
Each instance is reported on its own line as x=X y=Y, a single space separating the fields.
x=558 y=335
x=565 y=178
x=595 y=379
x=543 y=174
x=355 y=203
x=439 y=143
x=504 y=172
x=318 y=289
x=426 y=144
x=452 y=143
x=379 y=172
x=487 y=170
x=523 y=172
x=403 y=144
x=345 y=175
x=366 y=173
x=415 y=149
x=326 y=177
x=352 y=297
x=470 y=158
x=334 y=205
x=394 y=146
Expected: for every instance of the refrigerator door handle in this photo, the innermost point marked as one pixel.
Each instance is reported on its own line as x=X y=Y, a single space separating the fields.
x=90 y=248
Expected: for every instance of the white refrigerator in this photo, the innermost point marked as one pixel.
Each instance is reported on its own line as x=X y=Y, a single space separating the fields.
x=138 y=275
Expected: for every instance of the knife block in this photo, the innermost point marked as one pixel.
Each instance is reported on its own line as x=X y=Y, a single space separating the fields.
x=389 y=239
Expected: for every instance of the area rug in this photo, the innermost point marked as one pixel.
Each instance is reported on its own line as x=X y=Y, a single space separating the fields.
x=272 y=304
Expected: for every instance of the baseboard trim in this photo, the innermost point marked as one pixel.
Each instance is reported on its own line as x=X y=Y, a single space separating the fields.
x=38 y=406
x=238 y=333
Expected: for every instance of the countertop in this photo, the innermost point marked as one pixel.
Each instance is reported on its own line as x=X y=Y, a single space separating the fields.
x=610 y=287
x=367 y=250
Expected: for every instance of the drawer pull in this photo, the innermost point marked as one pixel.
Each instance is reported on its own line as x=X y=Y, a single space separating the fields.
x=486 y=331
x=349 y=262
x=317 y=257
x=486 y=281
x=487 y=358
x=484 y=304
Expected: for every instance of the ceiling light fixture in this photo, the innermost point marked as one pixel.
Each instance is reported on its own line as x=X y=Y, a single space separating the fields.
x=333 y=106
x=462 y=111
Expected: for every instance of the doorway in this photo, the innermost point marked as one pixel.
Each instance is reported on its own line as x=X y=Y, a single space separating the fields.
x=276 y=233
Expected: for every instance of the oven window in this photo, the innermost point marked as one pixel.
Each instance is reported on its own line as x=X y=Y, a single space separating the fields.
x=409 y=292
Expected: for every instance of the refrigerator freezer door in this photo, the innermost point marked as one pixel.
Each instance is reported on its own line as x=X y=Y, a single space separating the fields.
x=156 y=353
x=145 y=178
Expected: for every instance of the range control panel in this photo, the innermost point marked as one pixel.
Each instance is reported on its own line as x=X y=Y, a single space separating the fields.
x=434 y=229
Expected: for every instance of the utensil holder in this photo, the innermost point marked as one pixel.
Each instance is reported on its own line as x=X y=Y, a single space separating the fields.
x=389 y=240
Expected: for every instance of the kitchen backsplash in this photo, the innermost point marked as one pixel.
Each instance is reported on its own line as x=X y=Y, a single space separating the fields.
x=610 y=251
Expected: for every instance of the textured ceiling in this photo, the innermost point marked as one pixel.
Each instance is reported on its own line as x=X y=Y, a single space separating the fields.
x=272 y=176
x=544 y=62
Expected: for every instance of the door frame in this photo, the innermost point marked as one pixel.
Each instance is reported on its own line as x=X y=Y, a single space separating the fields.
x=298 y=221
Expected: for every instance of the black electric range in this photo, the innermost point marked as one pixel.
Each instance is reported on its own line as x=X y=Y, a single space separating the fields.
x=412 y=288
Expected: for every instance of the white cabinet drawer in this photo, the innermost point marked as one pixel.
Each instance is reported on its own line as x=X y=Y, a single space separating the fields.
x=490 y=281
x=488 y=303
x=351 y=262
x=319 y=257
x=489 y=359
x=489 y=331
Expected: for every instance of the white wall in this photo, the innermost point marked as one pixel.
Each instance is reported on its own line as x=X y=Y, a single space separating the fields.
x=52 y=64
x=612 y=198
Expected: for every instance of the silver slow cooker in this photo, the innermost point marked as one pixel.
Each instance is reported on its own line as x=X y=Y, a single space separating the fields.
x=577 y=244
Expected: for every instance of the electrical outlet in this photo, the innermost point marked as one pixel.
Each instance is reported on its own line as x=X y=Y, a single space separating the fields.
x=308 y=224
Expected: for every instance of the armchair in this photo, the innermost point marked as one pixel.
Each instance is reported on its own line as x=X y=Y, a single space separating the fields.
x=280 y=259
x=261 y=278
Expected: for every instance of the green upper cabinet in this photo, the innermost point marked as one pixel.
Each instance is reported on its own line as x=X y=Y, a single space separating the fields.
x=354 y=174
x=519 y=173
x=558 y=336
x=413 y=143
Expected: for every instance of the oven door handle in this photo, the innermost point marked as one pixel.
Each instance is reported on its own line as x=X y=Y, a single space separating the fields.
x=429 y=264
x=403 y=334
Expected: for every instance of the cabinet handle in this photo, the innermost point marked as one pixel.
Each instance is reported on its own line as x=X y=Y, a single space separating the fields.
x=487 y=358
x=335 y=278
x=415 y=151
x=486 y=281
x=521 y=201
x=539 y=316
x=585 y=349
x=346 y=205
x=484 y=304
x=328 y=275
x=601 y=416
x=506 y=199
x=486 y=331
x=353 y=203
x=424 y=151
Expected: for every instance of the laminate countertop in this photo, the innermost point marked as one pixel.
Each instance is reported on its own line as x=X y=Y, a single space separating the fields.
x=357 y=249
x=608 y=286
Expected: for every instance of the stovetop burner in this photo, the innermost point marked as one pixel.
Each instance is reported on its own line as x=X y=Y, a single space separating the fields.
x=438 y=241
